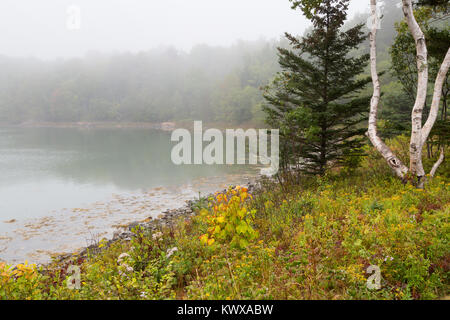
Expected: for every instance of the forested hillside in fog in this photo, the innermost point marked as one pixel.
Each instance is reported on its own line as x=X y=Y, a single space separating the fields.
x=158 y=85
x=208 y=83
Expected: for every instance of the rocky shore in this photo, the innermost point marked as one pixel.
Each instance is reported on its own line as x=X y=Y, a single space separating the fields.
x=165 y=219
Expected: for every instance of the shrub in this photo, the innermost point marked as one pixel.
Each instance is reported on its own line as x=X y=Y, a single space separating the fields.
x=229 y=219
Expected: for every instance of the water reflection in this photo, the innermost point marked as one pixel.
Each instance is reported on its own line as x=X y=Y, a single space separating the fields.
x=129 y=159
x=48 y=174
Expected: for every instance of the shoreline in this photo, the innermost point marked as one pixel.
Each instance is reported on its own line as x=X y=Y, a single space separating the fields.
x=166 y=218
x=123 y=232
x=42 y=237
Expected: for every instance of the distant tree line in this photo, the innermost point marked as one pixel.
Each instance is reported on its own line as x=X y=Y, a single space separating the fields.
x=220 y=84
x=208 y=83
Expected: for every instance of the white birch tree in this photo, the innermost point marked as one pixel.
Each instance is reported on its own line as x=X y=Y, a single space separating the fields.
x=419 y=133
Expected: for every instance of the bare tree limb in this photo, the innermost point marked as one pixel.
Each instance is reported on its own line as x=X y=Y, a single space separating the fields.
x=438 y=162
x=440 y=79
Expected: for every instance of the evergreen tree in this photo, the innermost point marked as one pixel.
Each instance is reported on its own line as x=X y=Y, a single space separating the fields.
x=315 y=99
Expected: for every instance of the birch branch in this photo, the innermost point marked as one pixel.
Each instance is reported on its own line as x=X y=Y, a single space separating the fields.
x=440 y=79
x=438 y=162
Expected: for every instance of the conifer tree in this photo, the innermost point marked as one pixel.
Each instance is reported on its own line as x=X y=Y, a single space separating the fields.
x=315 y=99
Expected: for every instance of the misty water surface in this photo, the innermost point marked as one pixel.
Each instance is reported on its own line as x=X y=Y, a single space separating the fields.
x=50 y=174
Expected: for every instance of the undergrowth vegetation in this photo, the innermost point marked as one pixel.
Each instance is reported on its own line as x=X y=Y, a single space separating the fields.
x=301 y=238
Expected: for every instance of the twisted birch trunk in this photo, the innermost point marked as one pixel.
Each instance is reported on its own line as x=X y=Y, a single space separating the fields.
x=392 y=160
x=419 y=134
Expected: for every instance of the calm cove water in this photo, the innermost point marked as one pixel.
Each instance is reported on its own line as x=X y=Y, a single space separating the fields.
x=60 y=188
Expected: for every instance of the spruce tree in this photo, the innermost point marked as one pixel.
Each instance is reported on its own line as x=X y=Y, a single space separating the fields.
x=315 y=100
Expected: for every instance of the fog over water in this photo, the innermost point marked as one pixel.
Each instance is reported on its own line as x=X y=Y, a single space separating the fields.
x=39 y=28
x=58 y=186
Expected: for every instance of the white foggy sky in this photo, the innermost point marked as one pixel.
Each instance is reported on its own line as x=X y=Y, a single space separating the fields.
x=38 y=27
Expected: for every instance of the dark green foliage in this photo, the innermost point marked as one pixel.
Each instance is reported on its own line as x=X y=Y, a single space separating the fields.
x=315 y=100
x=396 y=118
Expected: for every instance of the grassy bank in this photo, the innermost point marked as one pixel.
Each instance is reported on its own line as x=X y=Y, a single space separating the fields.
x=308 y=238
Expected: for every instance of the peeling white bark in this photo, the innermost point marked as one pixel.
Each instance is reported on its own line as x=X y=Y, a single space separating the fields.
x=395 y=163
x=420 y=134
x=417 y=141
